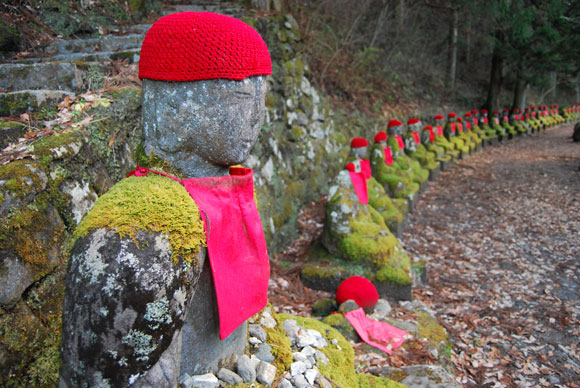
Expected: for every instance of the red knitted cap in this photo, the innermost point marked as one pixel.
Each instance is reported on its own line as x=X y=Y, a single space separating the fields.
x=439 y=117
x=412 y=121
x=505 y=111
x=359 y=142
x=451 y=115
x=495 y=112
x=191 y=46
x=484 y=111
x=460 y=119
x=380 y=136
x=474 y=111
x=467 y=114
x=394 y=123
x=428 y=127
x=359 y=289
x=527 y=108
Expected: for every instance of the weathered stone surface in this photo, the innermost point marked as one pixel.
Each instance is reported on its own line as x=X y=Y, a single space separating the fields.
x=207 y=380
x=381 y=309
x=323 y=307
x=298 y=368
x=229 y=377
x=349 y=305
x=22 y=101
x=205 y=352
x=212 y=128
x=258 y=332
x=311 y=375
x=130 y=304
x=285 y=384
x=264 y=353
x=15 y=277
x=300 y=382
x=10 y=131
x=266 y=373
x=51 y=76
x=246 y=369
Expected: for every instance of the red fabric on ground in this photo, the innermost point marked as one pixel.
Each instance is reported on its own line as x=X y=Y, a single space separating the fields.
x=235 y=241
x=381 y=335
x=359 y=289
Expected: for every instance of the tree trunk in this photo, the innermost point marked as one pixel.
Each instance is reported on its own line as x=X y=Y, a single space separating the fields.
x=468 y=42
x=452 y=60
x=400 y=18
x=494 y=81
x=553 y=84
x=520 y=89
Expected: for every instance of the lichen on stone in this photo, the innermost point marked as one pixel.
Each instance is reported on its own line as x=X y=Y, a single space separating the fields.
x=158 y=313
x=152 y=203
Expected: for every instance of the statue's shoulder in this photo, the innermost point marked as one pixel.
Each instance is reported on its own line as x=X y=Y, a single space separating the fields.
x=151 y=203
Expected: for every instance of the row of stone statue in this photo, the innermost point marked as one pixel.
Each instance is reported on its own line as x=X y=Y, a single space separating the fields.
x=372 y=196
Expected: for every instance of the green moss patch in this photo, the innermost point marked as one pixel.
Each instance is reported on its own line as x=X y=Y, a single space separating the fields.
x=152 y=203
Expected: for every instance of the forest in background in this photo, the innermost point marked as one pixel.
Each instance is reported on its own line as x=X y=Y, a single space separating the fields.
x=384 y=57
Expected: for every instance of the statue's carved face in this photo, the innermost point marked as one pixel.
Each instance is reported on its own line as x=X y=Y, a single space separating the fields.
x=217 y=120
x=359 y=153
x=396 y=130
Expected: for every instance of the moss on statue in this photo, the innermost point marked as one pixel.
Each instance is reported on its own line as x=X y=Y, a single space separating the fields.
x=152 y=203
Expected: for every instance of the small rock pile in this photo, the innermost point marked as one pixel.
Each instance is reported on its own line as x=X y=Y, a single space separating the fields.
x=307 y=357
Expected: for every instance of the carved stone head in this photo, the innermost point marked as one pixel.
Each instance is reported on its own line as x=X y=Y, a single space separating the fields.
x=358 y=148
x=204 y=88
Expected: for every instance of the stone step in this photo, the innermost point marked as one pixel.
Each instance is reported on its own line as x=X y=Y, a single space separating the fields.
x=132 y=56
x=23 y=101
x=106 y=43
x=52 y=76
x=207 y=6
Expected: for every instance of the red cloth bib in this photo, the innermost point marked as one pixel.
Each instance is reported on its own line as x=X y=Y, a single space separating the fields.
x=431 y=135
x=475 y=122
x=400 y=142
x=505 y=119
x=468 y=125
x=439 y=130
x=453 y=127
x=388 y=155
x=460 y=127
x=496 y=120
x=485 y=120
x=359 y=179
x=235 y=242
x=416 y=137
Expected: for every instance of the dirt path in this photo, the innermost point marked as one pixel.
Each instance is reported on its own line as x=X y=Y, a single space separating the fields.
x=501 y=231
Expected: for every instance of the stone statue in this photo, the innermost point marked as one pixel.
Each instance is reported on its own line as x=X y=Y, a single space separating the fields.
x=415 y=149
x=428 y=138
x=140 y=306
x=472 y=130
x=397 y=145
x=452 y=134
x=441 y=140
x=393 y=211
x=388 y=173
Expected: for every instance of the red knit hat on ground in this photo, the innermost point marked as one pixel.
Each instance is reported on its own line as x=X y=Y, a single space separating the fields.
x=394 y=123
x=359 y=289
x=412 y=121
x=380 y=136
x=359 y=142
x=192 y=46
x=439 y=117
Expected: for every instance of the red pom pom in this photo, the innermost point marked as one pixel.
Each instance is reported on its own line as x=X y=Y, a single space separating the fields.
x=412 y=121
x=439 y=117
x=359 y=289
x=191 y=46
x=394 y=123
x=380 y=136
x=359 y=142
x=451 y=115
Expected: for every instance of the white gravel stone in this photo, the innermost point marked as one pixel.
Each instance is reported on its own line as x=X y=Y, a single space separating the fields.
x=285 y=384
x=267 y=320
x=291 y=328
x=305 y=338
x=311 y=375
x=301 y=382
x=229 y=377
x=297 y=368
x=246 y=369
x=202 y=381
x=308 y=351
x=266 y=373
x=299 y=356
x=254 y=341
x=321 y=357
x=258 y=332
